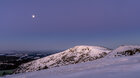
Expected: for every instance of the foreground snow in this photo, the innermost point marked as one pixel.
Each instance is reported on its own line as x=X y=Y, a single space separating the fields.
x=121 y=67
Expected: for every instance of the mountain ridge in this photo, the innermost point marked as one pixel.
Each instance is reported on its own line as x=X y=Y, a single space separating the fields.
x=125 y=50
x=73 y=55
x=77 y=54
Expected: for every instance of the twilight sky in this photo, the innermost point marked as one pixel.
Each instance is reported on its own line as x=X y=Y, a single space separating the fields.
x=61 y=24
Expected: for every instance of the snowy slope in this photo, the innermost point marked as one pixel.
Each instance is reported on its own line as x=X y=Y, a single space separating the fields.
x=112 y=67
x=126 y=50
x=74 y=55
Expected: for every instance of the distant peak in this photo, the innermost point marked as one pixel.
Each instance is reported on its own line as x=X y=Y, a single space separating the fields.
x=125 y=50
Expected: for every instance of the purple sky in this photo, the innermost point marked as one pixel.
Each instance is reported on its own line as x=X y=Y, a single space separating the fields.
x=61 y=24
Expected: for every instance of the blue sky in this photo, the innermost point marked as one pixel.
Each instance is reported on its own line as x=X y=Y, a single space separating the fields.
x=61 y=24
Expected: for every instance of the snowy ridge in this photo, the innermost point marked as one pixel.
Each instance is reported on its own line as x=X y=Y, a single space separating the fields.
x=126 y=50
x=74 y=55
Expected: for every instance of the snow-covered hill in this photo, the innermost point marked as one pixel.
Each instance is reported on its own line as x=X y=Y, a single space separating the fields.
x=122 y=66
x=74 y=55
x=125 y=50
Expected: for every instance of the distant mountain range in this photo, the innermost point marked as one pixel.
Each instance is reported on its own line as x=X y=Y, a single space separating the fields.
x=12 y=59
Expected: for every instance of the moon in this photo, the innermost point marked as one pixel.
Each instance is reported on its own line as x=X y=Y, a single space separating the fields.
x=33 y=16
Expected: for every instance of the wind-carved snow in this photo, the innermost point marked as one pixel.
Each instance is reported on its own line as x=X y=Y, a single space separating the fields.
x=78 y=54
x=112 y=67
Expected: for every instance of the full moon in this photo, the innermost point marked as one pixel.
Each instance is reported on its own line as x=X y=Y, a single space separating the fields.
x=33 y=16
